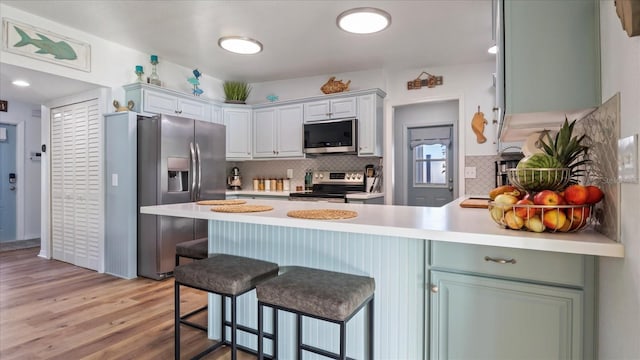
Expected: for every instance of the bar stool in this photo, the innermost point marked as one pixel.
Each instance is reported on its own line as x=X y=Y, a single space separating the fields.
x=325 y=295
x=225 y=275
x=193 y=249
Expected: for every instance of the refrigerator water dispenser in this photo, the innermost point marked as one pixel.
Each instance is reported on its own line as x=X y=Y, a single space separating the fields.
x=178 y=174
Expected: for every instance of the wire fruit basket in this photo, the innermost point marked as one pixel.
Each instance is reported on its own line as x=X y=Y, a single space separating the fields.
x=537 y=179
x=541 y=218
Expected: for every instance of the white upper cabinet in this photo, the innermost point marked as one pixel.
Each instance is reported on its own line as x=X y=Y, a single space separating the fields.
x=238 y=123
x=370 y=114
x=278 y=132
x=151 y=99
x=330 y=109
x=216 y=114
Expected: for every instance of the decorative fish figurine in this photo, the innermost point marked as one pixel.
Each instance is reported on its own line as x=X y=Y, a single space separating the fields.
x=196 y=73
x=197 y=91
x=60 y=50
x=477 y=125
x=272 y=98
x=193 y=81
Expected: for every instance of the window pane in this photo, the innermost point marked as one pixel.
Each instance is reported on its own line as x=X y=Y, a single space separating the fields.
x=430 y=164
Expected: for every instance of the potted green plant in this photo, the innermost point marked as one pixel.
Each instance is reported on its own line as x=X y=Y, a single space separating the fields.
x=236 y=92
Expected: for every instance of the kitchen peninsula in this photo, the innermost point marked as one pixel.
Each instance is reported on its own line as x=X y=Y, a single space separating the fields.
x=449 y=281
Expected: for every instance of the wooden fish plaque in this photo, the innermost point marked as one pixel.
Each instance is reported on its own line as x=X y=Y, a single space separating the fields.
x=430 y=81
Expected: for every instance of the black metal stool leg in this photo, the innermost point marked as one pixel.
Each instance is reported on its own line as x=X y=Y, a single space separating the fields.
x=299 y=336
x=275 y=333
x=343 y=340
x=176 y=335
x=260 y=332
x=234 y=327
x=371 y=327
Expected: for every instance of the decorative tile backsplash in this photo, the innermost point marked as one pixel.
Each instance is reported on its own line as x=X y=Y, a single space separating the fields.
x=485 y=174
x=603 y=130
x=274 y=168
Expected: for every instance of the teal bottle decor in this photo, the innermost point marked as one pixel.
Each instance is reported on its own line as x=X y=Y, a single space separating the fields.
x=195 y=81
x=154 y=78
x=139 y=73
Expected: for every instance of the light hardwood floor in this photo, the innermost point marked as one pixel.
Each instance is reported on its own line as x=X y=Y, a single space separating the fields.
x=53 y=310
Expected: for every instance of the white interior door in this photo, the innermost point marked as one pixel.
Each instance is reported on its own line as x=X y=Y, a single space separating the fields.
x=76 y=184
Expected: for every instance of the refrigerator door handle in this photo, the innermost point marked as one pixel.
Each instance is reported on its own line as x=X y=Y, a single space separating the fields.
x=199 y=171
x=193 y=170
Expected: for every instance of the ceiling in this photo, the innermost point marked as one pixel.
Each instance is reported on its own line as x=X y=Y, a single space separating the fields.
x=300 y=37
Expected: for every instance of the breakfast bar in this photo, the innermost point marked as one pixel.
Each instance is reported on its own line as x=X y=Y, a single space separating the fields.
x=414 y=253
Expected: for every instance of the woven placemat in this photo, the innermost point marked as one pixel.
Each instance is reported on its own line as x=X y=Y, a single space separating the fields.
x=241 y=208
x=322 y=214
x=222 y=202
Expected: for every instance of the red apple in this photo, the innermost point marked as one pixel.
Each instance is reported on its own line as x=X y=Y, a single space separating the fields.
x=594 y=194
x=554 y=219
x=578 y=217
x=548 y=197
x=527 y=209
x=576 y=194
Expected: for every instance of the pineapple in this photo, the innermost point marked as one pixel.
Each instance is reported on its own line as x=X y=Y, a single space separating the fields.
x=568 y=150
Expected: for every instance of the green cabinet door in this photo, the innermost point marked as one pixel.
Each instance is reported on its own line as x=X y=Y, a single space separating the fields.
x=474 y=317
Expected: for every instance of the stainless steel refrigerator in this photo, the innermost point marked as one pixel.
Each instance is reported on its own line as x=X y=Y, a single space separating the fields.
x=179 y=160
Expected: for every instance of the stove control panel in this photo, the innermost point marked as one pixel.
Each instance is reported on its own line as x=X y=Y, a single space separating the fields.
x=338 y=177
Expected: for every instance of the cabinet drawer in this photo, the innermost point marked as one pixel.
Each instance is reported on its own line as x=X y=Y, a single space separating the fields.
x=533 y=265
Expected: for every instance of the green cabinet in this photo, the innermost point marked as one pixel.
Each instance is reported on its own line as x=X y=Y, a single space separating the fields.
x=473 y=317
x=495 y=303
x=551 y=55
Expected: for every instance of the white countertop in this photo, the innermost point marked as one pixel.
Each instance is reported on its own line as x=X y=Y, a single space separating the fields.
x=448 y=223
x=358 y=196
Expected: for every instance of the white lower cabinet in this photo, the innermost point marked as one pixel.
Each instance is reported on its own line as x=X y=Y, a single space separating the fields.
x=238 y=123
x=278 y=132
x=499 y=303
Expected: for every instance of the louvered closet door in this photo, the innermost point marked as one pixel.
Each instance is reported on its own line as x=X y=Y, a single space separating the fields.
x=76 y=184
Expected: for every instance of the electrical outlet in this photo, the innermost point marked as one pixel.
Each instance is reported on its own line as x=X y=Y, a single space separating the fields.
x=289 y=173
x=470 y=172
x=114 y=180
x=628 y=159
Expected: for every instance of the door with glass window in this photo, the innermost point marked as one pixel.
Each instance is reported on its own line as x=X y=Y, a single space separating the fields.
x=430 y=168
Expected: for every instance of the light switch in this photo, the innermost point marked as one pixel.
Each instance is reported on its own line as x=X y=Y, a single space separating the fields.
x=114 y=180
x=470 y=172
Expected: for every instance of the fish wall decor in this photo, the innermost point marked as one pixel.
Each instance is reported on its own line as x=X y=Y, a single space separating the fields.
x=23 y=39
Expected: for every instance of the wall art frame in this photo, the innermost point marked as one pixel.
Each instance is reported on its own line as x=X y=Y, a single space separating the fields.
x=23 y=39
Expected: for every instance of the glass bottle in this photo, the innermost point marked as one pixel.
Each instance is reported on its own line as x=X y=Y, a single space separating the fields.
x=154 y=78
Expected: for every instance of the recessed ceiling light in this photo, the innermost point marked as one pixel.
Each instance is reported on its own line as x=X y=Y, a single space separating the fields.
x=240 y=45
x=493 y=49
x=20 y=83
x=363 y=20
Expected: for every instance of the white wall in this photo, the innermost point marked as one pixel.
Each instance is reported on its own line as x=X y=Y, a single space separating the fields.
x=28 y=196
x=619 y=295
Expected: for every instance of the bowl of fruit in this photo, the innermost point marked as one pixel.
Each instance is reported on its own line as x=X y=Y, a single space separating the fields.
x=546 y=194
x=547 y=210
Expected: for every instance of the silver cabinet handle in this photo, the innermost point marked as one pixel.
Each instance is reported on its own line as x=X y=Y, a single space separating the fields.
x=178 y=111
x=500 y=261
x=434 y=289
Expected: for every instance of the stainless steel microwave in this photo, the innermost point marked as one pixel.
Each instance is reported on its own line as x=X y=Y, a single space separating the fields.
x=331 y=137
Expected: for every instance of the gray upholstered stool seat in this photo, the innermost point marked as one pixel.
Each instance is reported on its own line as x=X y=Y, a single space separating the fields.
x=325 y=295
x=193 y=249
x=224 y=275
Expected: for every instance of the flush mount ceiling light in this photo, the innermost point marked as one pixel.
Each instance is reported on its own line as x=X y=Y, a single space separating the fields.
x=364 y=20
x=20 y=83
x=493 y=49
x=240 y=45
